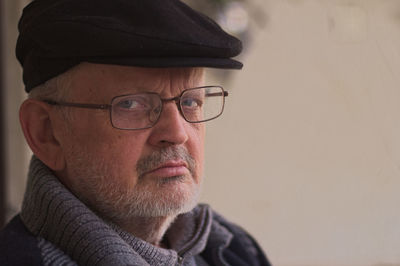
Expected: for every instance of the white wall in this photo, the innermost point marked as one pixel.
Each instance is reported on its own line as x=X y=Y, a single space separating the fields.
x=307 y=155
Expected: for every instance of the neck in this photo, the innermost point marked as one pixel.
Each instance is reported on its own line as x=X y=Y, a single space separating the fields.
x=149 y=229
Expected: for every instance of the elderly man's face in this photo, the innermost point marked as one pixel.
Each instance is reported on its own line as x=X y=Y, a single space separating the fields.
x=125 y=173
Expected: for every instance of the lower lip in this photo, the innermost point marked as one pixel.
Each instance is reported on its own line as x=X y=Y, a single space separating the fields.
x=169 y=171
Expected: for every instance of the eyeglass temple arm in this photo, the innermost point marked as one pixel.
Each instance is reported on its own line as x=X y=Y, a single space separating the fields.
x=217 y=94
x=80 y=105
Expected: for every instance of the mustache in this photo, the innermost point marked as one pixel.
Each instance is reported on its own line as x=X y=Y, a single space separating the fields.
x=158 y=157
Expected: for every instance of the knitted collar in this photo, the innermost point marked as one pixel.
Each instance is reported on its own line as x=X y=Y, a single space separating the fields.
x=52 y=212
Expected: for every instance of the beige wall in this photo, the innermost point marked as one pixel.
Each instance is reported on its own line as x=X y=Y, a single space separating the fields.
x=17 y=157
x=307 y=154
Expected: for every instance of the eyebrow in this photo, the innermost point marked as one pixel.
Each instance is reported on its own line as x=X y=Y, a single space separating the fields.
x=135 y=90
x=129 y=90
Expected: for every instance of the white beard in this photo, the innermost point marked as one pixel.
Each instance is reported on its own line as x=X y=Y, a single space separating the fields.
x=117 y=202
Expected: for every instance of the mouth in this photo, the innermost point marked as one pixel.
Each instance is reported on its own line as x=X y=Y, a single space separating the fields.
x=170 y=169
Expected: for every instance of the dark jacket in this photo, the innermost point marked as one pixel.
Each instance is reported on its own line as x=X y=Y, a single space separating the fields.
x=19 y=247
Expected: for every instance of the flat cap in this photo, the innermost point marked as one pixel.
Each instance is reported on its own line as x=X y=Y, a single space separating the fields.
x=56 y=35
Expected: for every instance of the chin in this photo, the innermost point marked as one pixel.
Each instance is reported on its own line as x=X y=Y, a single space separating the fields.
x=167 y=199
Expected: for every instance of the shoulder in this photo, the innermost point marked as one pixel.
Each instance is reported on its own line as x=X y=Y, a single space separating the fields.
x=18 y=246
x=242 y=248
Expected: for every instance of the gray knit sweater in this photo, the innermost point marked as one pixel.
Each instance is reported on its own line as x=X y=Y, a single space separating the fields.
x=69 y=233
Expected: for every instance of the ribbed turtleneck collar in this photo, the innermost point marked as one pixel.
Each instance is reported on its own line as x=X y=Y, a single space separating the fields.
x=52 y=212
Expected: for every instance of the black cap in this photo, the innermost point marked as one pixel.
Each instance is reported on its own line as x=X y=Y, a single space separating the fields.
x=56 y=35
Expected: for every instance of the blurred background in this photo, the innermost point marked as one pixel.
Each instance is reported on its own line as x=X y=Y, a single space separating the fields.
x=307 y=154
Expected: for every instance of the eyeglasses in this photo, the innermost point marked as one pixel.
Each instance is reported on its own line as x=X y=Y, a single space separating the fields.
x=142 y=110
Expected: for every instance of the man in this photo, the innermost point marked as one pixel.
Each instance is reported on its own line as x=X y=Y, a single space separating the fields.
x=115 y=119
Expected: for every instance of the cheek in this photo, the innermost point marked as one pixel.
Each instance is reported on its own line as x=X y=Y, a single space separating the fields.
x=117 y=150
x=94 y=131
x=196 y=146
x=123 y=150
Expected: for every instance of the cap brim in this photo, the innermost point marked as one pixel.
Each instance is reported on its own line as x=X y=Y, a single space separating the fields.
x=161 y=62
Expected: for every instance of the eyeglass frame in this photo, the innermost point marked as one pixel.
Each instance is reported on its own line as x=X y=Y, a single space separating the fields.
x=177 y=100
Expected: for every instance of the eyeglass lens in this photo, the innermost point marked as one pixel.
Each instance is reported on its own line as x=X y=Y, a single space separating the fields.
x=139 y=111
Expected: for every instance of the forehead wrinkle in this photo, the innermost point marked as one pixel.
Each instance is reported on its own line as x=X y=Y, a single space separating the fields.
x=184 y=78
x=168 y=82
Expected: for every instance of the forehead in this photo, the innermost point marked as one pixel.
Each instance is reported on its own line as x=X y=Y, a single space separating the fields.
x=107 y=81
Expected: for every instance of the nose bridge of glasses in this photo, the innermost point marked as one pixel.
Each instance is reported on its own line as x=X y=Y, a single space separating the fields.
x=173 y=99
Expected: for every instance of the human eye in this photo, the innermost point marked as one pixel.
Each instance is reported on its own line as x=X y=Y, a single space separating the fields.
x=128 y=104
x=133 y=103
x=192 y=99
x=191 y=102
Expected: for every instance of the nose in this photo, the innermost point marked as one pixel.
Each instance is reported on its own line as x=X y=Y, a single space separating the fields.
x=171 y=127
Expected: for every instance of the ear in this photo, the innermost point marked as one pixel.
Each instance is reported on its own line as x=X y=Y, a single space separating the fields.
x=35 y=118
